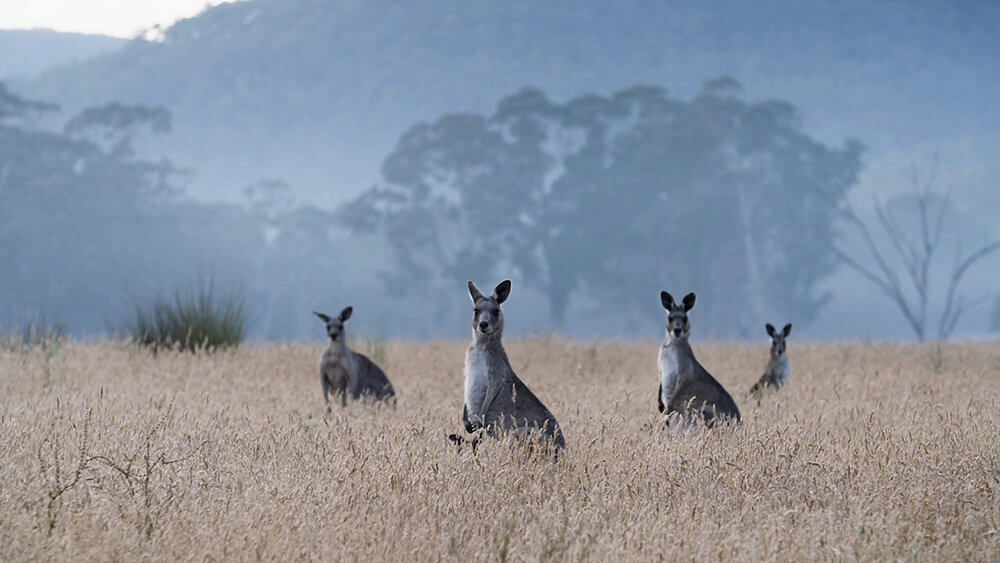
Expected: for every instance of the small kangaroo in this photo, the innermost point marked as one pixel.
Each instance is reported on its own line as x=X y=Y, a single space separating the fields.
x=777 y=371
x=495 y=398
x=345 y=372
x=685 y=387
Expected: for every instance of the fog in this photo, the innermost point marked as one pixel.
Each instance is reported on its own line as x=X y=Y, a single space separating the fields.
x=833 y=165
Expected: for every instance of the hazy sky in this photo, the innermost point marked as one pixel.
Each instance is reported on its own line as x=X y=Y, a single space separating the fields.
x=121 y=18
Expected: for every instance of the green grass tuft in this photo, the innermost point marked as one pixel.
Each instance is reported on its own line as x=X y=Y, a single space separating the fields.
x=192 y=320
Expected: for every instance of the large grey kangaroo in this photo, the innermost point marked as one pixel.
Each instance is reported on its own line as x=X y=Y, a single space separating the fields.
x=777 y=371
x=495 y=398
x=685 y=387
x=345 y=372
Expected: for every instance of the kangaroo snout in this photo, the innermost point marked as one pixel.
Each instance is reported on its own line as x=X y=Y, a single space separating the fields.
x=484 y=326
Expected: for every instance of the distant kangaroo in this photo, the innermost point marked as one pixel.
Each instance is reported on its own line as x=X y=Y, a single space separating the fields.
x=777 y=371
x=345 y=372
x=495 y=399
x=685 y=387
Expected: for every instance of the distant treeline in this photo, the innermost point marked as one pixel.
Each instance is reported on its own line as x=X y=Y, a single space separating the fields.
x=88 y=230
x=591 y=207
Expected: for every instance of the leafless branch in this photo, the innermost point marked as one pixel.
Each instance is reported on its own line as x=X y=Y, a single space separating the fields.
x=883 y=276
x=952 y=311
x=916 y=251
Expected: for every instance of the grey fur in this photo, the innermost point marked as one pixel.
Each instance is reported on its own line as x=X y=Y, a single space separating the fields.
x=778 y=369
x=686 y=388
x=345 y=372
x=496 y=400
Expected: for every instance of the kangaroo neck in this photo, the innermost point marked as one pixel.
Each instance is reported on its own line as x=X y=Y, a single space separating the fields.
x=679 y=344
x=778 y=359
x=490 y=348
x=339 y=346
x=491 y=340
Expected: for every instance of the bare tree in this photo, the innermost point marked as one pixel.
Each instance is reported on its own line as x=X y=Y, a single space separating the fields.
x=918 y=250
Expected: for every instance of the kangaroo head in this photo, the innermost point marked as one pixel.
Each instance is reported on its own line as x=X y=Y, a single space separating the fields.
x=487 y=317
x=677 y=314
x=335 y=325
x=778 y=338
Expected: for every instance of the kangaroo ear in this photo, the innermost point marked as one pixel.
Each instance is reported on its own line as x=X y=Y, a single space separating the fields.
x=346 y=313
x=502 y=291
x=667 y=300
x=322 y=317
x=689 y=301
x=787 y=330
x=474 y=293
x=770 y=330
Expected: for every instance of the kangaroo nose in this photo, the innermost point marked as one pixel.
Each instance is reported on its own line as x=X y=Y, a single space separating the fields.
x=484 y=325
x=677 y=332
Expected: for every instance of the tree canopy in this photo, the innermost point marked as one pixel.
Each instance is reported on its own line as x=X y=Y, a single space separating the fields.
x=618 y=197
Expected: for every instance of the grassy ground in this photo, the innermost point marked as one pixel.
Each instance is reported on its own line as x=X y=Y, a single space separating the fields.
x=873 y=452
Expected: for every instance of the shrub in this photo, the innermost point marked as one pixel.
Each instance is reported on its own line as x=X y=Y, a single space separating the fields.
x=192 y=320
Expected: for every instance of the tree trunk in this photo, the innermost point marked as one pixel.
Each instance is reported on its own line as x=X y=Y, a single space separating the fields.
x=755 y=284
x=558 y=304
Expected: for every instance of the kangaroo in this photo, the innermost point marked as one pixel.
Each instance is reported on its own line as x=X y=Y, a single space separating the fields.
x=777 y=371
x=685 y=387
x=495 y=398
x=345 y=372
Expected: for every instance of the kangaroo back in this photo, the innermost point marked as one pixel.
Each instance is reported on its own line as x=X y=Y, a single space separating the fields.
x=516 y=409
x=372 y=381
x=704 y=396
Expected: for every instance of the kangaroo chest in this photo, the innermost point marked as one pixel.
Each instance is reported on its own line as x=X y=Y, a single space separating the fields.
x=337 y=364
x=477 y=376
x=779 y=369
x=673 y=367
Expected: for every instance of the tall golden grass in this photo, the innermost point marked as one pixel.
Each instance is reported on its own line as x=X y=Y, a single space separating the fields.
x=873 y=452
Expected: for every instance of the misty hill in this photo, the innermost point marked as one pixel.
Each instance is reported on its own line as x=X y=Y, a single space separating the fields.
x=28 y=52
x=316 y=92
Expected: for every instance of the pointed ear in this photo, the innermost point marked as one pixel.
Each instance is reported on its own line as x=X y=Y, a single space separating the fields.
x=770 y=330
x=787 y=330
x=688 y=302
x=502 y=291
x=322 y=317
x=666 y=300
x=346 y=313
x=474 y=293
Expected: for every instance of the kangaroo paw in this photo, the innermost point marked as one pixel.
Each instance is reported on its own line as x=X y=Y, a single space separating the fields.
x=459 y=441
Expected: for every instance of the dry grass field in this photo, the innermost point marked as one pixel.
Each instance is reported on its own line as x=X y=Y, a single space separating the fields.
x=874 y=452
